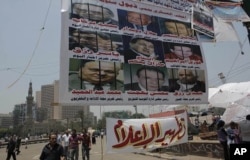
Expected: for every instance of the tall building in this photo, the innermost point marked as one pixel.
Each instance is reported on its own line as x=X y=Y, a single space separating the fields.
x=30 y=104
x=20 y=114
x=50 y=101
x=6 y=120
x=47 y=98
x=38 y=99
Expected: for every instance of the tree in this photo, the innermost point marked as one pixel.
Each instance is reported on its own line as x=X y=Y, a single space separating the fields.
x=138 y=115
x=41 y=114
x=80 y=114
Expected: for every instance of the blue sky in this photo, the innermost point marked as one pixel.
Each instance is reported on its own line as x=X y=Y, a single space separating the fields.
x=22 y=37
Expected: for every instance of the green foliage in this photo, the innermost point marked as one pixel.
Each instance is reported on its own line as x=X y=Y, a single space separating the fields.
x=4 y=132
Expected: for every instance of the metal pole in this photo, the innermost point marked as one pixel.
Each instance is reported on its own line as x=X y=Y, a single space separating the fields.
x=101 y=138
x=135 y=111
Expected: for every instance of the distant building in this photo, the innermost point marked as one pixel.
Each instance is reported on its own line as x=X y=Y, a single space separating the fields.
x=50 y=101
x=47 y=98
x=6 y=121
x=38 y=99
x=31 y=107
x=20 y=114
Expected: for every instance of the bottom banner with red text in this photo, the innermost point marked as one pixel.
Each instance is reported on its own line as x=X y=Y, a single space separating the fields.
x=139 y=135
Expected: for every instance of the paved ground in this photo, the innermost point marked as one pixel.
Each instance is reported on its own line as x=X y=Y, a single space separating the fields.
x=98 y=153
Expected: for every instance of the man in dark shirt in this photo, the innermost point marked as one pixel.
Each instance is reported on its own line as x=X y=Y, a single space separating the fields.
x=11 y=146
x=18 y=144
x=86 y=144
x=52 y=150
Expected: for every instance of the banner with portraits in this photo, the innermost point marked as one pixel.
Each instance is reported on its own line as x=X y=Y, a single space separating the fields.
x=139 y=135
x=129 y=52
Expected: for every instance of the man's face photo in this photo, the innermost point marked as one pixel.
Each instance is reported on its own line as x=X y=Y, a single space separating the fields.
x=94 y=41
x=186 y=76
x=151 y=80
x=105 y=44
x=92 y=12
x=182 y=51
x=95 y=72
x=138 y=19
x=143 y=46
x=176 y=28
x=88 y=40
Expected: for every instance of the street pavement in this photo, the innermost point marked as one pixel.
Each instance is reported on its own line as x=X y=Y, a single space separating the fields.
x=98 y=152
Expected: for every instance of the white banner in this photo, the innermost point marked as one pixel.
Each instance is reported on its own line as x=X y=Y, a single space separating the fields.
x=139 y=135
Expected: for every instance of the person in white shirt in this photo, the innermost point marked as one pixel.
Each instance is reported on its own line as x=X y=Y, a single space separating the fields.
x=244 y=127
x=65 y=143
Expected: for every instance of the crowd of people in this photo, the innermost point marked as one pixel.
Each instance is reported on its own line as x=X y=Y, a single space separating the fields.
x=61 y=146
x=13 y=146
x=67 y=146
x=227 y=133
x=235 y=133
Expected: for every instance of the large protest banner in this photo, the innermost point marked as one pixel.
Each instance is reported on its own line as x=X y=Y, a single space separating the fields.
x=129 y=52
x=136 y=135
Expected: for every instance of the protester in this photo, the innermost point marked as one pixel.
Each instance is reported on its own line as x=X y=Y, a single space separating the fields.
x=11 y=146
x=52 y=150
x=233 y=133
x=93 y=139
x=26 y=142
x=65 y=143
x=18 y=144
x=86 y=144
x=222 y=137
x=197 y=122
x=245 y=130
x=74 y=142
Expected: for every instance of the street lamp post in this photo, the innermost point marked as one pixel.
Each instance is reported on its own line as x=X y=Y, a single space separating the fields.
x=135 y=106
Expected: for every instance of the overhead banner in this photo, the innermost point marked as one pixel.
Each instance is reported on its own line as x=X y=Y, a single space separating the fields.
x=138 y=135
x=228 y=11
x=203 y=22
x=129 y=52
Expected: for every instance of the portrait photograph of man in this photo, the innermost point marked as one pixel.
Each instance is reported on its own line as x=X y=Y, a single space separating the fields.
x=95 y=75
x=142 y=47
x=93 y=12
x=180 y=51
x=186 y=80
x=138 y=21
x=94 y=41
x=145 y=78
x=174 y=27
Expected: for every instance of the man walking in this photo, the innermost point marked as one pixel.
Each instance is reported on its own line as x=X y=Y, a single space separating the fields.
x=86 y=144
x=52 y=150
x=11 y=146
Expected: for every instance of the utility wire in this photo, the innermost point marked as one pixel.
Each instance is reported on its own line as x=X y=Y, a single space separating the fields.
x=36 y=46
